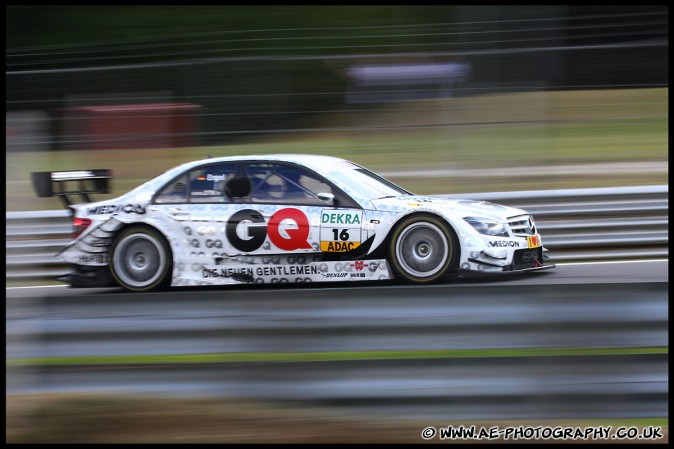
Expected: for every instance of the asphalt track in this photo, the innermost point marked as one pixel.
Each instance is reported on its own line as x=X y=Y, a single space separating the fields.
x=615 y=308
x=639 y=271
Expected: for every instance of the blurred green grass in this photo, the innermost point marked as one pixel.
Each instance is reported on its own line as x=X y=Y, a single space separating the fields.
x=482 y=132
x=284 y=357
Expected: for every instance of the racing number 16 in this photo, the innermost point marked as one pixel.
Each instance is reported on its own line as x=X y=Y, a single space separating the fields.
x=343 y=235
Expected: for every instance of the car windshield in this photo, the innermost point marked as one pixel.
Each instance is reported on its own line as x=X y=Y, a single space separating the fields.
x=368 y=184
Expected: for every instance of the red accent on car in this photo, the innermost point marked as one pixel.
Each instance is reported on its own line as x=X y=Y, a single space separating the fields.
x=80 y=224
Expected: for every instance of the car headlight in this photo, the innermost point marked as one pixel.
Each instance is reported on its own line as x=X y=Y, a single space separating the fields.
x=487 y=226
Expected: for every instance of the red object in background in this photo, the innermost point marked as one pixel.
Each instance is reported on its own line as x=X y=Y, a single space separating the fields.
x=155 y=125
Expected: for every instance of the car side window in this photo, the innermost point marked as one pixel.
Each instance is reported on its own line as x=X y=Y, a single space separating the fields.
x=207 y=184
x=174 y=192
x=200 y=185
x=286 y=184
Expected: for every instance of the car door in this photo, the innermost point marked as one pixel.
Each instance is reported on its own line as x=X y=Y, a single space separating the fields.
x=194 y=208
x=302 y=212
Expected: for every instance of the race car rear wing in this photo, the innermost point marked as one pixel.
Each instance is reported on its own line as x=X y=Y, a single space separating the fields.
x=66 y=184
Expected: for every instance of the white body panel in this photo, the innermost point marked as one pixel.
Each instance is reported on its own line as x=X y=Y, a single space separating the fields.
x=224 y=243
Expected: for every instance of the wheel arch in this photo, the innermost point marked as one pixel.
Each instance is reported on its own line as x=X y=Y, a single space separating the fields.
x=160 y=233
x=386 y=241
x=156 y=226
x=385 y=246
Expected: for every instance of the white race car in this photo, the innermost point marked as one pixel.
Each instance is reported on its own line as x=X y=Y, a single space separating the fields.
x=281 y=218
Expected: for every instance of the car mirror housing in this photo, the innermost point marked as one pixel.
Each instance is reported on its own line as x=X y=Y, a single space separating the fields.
x=326 y=197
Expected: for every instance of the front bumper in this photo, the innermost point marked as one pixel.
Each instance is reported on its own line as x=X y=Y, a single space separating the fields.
x=523 y=260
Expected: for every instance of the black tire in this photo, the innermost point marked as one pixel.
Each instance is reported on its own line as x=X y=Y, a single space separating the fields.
x=141 y=259
x=423 y=249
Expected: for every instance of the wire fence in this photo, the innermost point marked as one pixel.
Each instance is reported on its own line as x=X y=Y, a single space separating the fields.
x=300 y=79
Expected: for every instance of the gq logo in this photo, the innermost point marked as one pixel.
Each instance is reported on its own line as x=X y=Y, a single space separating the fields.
x=246 y=230
x=213 y=243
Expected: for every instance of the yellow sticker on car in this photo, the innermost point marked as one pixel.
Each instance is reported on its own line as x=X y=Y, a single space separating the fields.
x=338 y=247
x=533 y=241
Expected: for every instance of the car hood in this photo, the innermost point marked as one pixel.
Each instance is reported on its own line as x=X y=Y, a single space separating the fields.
x=453 y=206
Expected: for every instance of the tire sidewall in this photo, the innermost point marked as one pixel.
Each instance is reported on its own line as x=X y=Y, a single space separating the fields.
x=163 y=280
x=449 y=235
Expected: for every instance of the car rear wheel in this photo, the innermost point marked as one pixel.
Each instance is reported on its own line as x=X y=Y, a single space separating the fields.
x=423 y=249
x=141 y=259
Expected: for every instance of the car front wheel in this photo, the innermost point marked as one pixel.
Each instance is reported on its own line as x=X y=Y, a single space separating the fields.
x=423 y=249
x=141 y=260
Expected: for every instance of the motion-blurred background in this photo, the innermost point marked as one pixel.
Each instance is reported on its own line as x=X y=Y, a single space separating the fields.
x=499 y=97
x=440 y=99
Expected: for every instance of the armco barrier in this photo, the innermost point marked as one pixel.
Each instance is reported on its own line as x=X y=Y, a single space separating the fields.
x=584 y=351
x=576 y=225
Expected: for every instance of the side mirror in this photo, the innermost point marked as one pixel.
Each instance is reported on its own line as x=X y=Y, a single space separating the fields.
x=326 y=197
